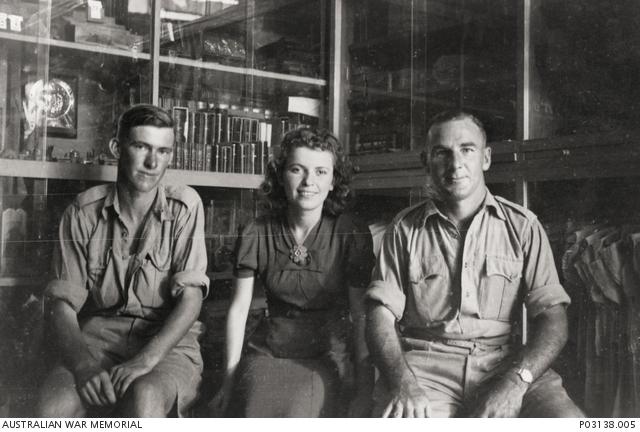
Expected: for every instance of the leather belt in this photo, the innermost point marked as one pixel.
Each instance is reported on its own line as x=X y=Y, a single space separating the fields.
x=469 y=344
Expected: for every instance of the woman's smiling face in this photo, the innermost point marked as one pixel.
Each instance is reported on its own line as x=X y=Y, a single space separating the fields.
x=308 y=178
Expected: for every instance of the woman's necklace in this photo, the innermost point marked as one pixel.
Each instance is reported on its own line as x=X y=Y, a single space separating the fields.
x=298 y=252
x=299 y=255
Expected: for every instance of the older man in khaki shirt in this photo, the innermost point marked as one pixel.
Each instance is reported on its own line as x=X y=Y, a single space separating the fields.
x=451 y=275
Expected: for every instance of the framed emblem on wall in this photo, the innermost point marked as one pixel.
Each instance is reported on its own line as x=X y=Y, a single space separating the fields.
x=53 y=103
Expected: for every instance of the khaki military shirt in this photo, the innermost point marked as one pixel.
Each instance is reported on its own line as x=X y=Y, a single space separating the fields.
x=94 y=272
x=437 y=281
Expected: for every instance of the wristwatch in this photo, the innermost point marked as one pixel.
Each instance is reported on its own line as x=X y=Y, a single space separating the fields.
x=525 y=375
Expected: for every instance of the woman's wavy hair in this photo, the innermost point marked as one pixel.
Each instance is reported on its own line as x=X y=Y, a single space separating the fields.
x=273 y=197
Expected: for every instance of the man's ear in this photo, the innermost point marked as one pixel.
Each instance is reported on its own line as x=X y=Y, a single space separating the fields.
x=486 y=161
x=424 y=157
x=114 y=146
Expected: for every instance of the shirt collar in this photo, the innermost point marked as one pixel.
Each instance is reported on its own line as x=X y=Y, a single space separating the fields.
x=160 y=205
x=111 y=201
x=490 y=201
x=431 y=209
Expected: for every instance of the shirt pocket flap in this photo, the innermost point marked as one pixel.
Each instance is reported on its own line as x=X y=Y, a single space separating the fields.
x=510 y=269
x=97 y=255
x=161 y=261
x=431 y=267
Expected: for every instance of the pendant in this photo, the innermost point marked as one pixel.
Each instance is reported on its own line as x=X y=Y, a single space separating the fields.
x=299 y=255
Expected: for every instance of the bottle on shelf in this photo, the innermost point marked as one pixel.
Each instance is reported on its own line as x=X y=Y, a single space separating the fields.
x=209 y=222
x=12 y=240
x=220 y=137
x=39 y=250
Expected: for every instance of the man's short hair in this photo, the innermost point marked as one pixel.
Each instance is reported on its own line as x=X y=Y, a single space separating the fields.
x=142 y=115
x=452 y=115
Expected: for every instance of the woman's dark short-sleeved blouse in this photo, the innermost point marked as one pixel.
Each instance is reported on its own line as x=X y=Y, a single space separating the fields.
x=341 y=256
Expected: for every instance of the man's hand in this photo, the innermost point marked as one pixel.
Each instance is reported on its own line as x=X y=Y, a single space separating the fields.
x=94 y=386
x=503 y=398
x=409 y=401
x=124 y=374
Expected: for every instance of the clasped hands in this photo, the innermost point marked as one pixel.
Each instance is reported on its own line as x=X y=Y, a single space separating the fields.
x=99 y=387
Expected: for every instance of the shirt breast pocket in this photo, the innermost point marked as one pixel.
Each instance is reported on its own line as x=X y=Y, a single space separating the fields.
x=500 y=287
x=104 y=292
x=153 y=285
x=430 y=290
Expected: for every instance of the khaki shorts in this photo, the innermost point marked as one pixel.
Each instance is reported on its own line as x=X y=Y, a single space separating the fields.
x=454 y=377
x=113 y=340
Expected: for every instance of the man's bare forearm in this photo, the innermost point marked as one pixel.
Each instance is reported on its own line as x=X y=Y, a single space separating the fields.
x=384 y=346
x=504 y=398
x=68 y=336
x=548 y=336
x=177 y=324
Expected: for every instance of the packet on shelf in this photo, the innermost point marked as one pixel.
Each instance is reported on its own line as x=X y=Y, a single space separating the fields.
x=12 y=240
x=106 y=32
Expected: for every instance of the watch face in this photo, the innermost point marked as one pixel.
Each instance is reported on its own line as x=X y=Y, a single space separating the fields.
x=525 y=375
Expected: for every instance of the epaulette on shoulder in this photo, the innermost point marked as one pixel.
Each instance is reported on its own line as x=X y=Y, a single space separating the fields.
x=185 y=194
x=516 y=208
x=93 y=194
x=404 y=213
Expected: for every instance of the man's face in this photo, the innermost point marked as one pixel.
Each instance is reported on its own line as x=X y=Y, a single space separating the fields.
x=144 y=157
x=458 y=157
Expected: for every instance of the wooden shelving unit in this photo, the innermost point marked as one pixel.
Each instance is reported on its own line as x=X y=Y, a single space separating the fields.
x=93 y=48
x=241 y=70
x=107 y=173
x=46 y=54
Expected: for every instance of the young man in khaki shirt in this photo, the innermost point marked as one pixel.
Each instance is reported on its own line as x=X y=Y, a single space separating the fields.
x=129 y=281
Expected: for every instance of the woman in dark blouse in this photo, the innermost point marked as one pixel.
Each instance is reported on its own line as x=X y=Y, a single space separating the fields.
x=314 y=264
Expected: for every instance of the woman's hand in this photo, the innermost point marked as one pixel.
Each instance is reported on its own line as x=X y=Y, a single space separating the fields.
x=218 y=405
x=361 y=405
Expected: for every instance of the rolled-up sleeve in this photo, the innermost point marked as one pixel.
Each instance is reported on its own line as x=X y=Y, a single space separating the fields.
x=539 y=272
x=190 y=253
x=388 y=277
x=70 y=261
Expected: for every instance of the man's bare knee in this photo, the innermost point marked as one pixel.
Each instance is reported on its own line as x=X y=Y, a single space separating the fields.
x=148 y=397
x=58 y=397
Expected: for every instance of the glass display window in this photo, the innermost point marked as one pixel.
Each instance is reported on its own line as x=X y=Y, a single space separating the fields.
x=411 y=60
x=584 y=64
